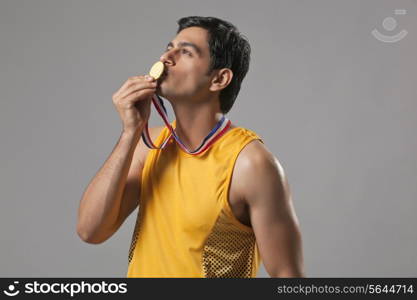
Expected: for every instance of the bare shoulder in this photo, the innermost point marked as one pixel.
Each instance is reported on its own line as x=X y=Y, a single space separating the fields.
x=255 y=165
x=255 y=154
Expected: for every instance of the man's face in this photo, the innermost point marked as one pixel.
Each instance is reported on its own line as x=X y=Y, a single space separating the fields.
x=187 y=61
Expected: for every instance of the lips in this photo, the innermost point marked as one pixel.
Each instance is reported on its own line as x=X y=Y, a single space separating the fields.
x=164 y=74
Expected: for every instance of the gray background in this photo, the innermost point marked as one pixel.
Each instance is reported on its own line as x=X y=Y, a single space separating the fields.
x=333 y=103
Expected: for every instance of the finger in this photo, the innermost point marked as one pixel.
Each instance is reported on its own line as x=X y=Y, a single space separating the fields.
x=137 y=86
x=139 y=95
x=131 y=80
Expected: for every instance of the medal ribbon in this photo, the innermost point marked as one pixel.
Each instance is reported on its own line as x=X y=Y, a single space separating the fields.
x=219 y=129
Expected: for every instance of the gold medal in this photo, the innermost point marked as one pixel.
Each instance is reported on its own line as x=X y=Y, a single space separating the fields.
x=157 y=69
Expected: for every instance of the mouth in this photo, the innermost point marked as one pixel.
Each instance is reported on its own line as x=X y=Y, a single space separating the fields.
x=163 y=76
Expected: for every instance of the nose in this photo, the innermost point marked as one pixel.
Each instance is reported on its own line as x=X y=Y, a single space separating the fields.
x=168 y=57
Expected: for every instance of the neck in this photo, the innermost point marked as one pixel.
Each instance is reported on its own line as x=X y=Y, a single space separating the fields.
x=194 y=122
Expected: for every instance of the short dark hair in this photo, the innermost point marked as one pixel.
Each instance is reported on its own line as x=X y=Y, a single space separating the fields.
x=228 y=49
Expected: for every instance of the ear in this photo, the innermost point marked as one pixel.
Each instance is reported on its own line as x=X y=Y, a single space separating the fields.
x=221 y=80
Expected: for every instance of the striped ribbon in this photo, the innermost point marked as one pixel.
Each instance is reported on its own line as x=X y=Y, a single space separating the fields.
x=219 y=129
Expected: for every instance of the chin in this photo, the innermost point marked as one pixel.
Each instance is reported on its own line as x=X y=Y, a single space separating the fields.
x=162 y=92
x=165 y=92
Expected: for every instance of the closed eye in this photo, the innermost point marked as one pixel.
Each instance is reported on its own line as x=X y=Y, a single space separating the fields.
x=185 y=51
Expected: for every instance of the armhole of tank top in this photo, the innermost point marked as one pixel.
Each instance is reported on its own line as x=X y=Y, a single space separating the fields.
x=257 y=261
x=226 y=205
x=149 y=156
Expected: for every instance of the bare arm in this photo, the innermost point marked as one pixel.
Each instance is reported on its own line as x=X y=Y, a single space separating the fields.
x=273 y=219
x=115 y=190
x=101 y=204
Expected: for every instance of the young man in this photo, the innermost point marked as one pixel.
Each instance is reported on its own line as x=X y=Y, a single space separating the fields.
x=214 y=213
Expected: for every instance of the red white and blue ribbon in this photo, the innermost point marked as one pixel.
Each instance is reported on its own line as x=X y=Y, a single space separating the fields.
x=219 y=129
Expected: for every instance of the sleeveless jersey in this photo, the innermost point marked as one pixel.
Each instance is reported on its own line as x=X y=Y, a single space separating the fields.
x=185 y=226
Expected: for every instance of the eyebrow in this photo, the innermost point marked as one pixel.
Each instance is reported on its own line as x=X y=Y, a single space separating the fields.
x=185 y=44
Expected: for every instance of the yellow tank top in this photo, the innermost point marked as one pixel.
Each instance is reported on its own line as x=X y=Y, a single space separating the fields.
x=185 y=226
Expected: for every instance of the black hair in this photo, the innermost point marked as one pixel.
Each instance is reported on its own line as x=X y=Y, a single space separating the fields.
x=228 y=49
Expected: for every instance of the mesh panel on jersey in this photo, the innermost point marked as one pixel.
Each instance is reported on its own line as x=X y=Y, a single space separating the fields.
x=135 y=234
x=229 y=251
